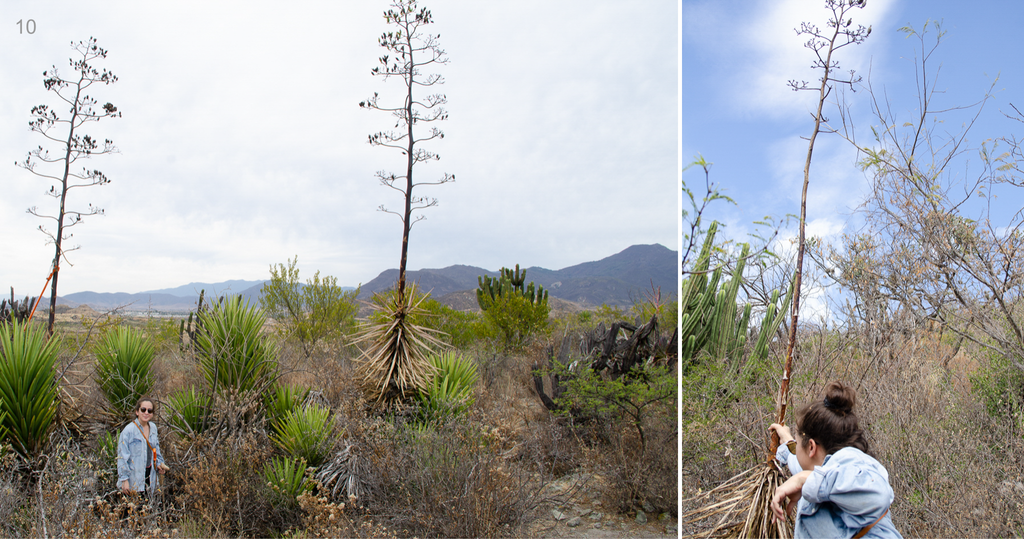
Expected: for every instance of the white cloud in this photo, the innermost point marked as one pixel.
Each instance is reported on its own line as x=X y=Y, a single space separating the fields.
x=758 y=51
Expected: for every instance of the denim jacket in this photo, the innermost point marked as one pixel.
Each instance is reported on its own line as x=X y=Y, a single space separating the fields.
x=131 y=457
x=847 y=493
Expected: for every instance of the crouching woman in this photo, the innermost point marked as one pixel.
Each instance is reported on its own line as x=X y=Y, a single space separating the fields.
x=838 y=489
x=138 y=452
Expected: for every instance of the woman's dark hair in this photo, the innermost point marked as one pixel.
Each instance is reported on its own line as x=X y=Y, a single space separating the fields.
x=831 y=421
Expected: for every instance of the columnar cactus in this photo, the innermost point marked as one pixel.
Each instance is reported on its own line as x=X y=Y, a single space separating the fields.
x=510 y=283
x=709 y=321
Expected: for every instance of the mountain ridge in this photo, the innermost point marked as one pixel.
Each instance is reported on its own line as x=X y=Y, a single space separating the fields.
x=619 y=279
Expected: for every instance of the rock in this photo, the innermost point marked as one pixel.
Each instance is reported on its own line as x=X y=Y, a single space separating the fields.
x=595 y=515
x=585 y=512
x=664 y=516
x=648 y=507
x=597 y=525
x=558 y=515
x=670 y=529
x=641 y=517
x=573 y=522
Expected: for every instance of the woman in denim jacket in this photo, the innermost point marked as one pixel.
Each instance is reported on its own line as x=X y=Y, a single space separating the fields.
x=138 y=450
x=840 y=489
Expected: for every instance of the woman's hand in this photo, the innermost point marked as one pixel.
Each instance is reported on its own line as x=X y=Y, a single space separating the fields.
x=788 y=494
x=785 y=435
x=162 y=468
x=125 y=488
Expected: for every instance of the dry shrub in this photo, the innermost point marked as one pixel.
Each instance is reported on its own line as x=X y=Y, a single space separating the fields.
x=942 y=448
x=553 y=446
x=452 y=481
x=324 y=518
x=636 y=479
x=58 y=495
x=222 y=490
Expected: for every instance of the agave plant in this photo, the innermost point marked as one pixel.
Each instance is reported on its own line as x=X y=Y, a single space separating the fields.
x=286 y=476
x=234 y=354
x=28 y=389
x=450 y=393
x=305 y=433
x=394 y=365
x=189 y=412
x=123 y=360
x=283 y=399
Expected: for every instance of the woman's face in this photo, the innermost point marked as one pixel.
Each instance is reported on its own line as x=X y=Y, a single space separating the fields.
x=145 y=411
x=801 y=453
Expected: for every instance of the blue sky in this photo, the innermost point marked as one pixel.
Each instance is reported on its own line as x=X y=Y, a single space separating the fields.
x=242 y=143
x=739 y=113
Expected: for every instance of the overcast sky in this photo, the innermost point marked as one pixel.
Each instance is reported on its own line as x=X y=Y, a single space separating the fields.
x=739 y=113
x=242 y=143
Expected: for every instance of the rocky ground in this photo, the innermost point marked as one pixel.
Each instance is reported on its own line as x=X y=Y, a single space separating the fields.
x=573 y=508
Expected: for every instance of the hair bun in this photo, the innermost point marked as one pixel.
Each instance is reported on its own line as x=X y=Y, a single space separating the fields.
x=839 y=397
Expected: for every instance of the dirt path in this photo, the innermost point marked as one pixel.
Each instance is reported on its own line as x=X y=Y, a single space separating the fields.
x=573 y=509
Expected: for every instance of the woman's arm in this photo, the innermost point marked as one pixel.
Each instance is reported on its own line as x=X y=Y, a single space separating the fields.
x=788 y=494
x=124 y=460
x=782 y=454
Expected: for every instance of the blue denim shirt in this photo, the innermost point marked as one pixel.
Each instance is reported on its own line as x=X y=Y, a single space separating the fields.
x=848 y=492
x=132 y=456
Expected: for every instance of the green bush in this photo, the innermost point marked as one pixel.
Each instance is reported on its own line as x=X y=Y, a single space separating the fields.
x=188 y=411
x=305 y=433
x=234 y=353
x=515 y=320
x=124 y=357
x=513 y=310
x=458 y=329
x=999 y=384
x=286 y=477
x=450 y=393
x=314 y=312
x=28 y=391
x=630 y=398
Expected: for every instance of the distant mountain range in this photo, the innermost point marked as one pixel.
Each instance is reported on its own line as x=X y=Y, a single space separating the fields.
x=620 y=279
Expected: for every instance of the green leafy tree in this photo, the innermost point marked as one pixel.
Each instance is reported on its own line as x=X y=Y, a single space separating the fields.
x=457 y=329
x=514 y=310
x=71 y=145
x=632 y=398
x=315 y=312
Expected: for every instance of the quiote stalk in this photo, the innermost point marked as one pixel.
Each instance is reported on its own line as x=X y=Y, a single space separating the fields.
x=841 y=36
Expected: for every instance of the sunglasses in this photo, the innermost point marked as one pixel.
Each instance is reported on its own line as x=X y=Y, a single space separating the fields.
x=146 y=410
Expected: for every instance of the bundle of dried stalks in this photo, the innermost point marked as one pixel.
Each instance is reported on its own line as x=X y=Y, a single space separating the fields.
x=742 y=505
